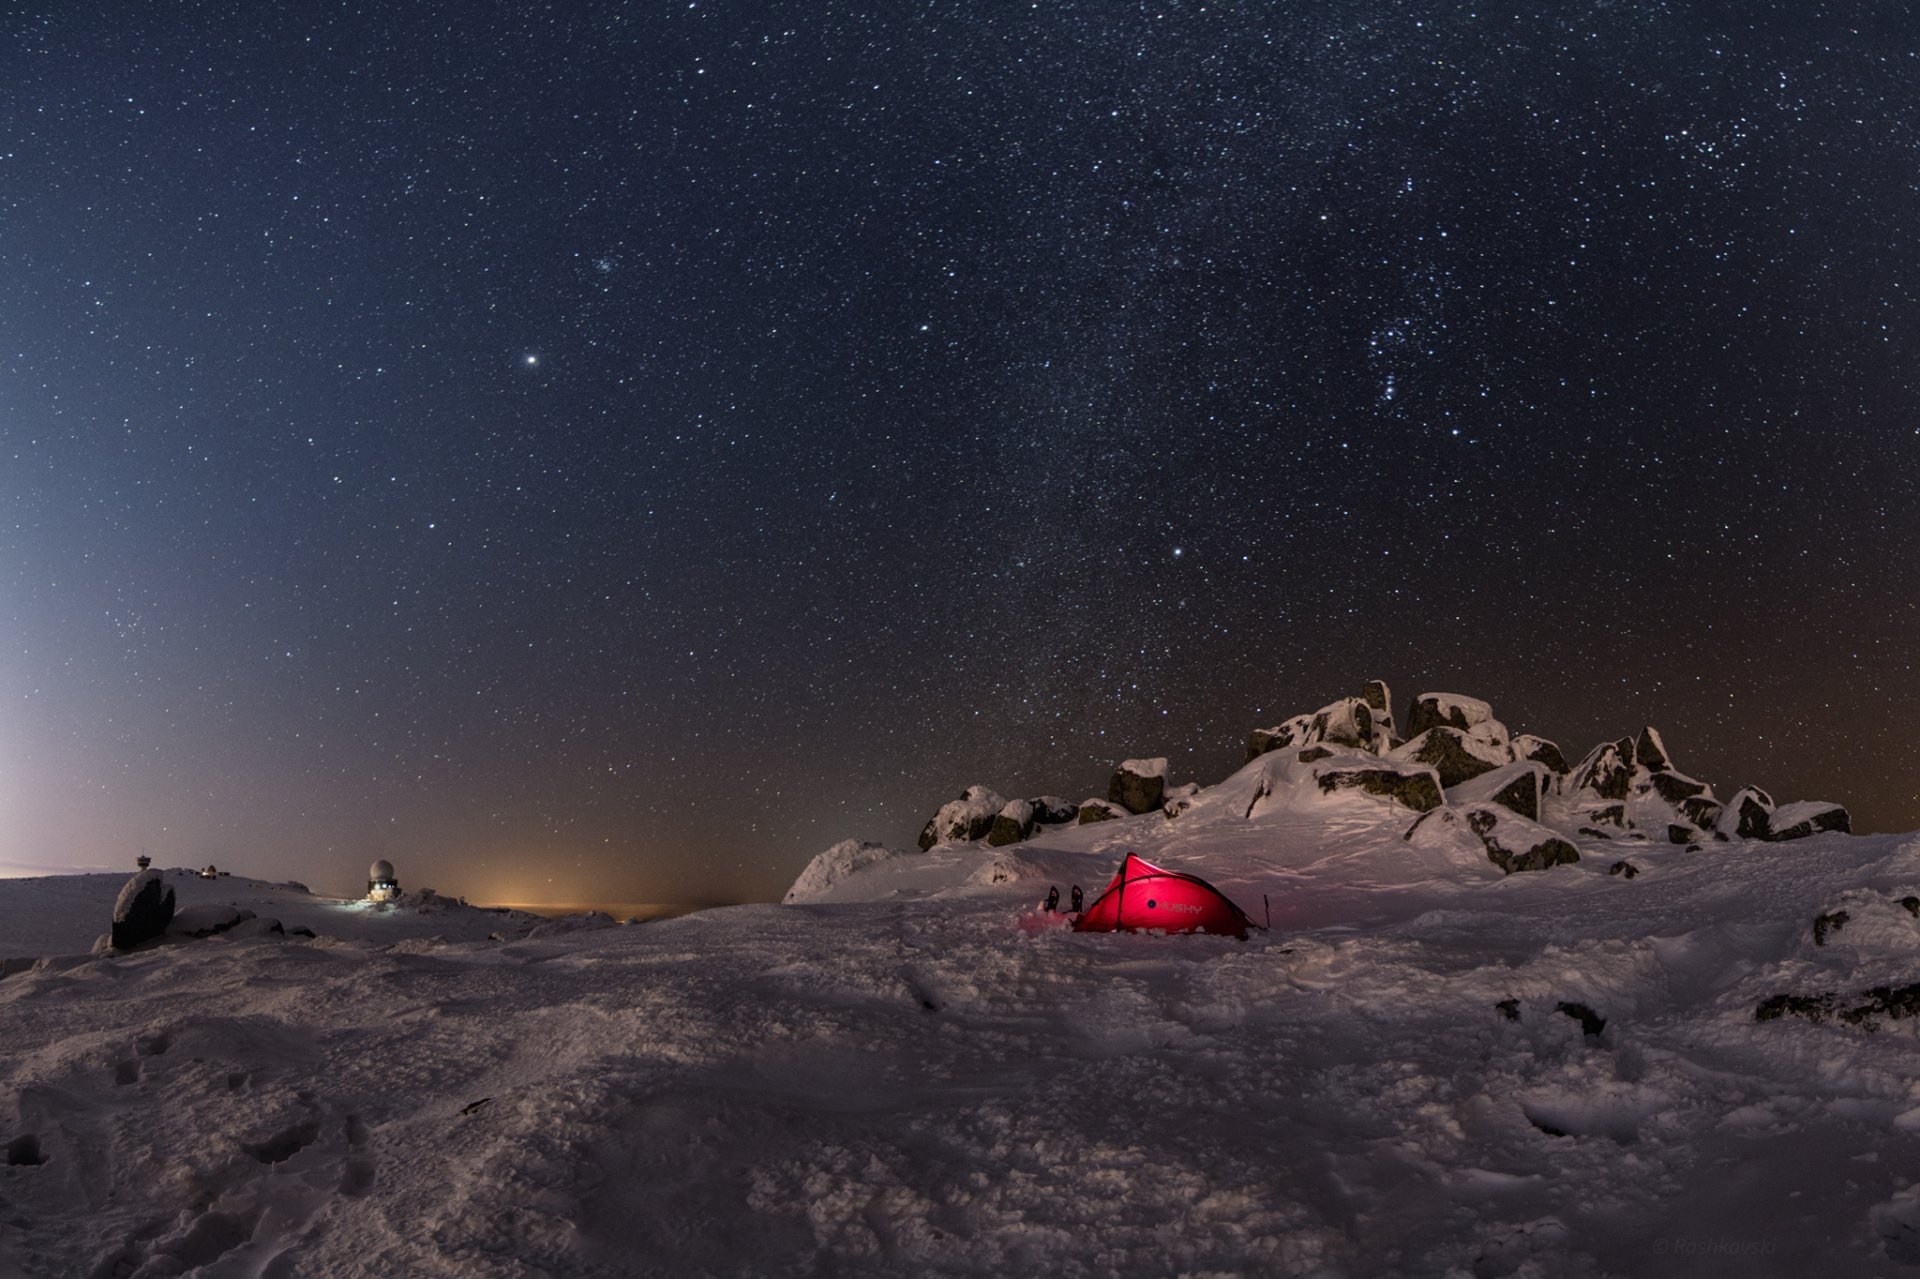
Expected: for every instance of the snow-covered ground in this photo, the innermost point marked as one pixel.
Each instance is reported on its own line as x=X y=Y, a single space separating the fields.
x=907 y=1072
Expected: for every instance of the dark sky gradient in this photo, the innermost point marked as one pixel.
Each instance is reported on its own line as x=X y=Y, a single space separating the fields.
x=607 y=450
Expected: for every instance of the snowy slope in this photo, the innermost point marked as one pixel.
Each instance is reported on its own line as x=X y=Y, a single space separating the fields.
x=64 y=914
x=900 y=1079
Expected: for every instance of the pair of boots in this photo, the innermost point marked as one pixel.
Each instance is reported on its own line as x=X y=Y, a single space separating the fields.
x=1053 y=900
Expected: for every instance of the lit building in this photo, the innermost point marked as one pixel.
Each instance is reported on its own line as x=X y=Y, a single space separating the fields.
x=381 y=884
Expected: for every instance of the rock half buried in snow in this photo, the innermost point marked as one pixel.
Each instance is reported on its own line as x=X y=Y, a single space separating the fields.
x=1811 y=817
x=206 y=919
x=1099 y=810
x=1139 y=785
x=1417 y=788
x=1517 y=787
x=1515 y=844
x=142 y=911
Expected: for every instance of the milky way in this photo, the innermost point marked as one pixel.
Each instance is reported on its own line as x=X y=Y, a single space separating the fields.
x=619 y=450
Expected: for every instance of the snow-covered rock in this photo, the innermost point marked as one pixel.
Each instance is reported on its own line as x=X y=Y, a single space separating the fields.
x=965 y=819
x=1453 y=754
x=1139 y=785
x=1431 y=710
x=1013 y=823
x=1517 y=787
x=1748 y=815
x=142 y=911
x=1606 y=771
x=835 y=865
x=1541 y=751
x=206 y=919
x=1807 y=817
x=1515 y=844
x=1098 y=810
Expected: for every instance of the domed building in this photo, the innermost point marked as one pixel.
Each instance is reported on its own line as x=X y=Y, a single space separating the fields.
x=381 y=884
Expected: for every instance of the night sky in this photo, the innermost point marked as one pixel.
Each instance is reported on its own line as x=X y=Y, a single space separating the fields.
x=612 y=452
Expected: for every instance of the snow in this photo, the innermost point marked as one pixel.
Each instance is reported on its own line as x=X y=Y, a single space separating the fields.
x=1156 y=767
x=894 y=1076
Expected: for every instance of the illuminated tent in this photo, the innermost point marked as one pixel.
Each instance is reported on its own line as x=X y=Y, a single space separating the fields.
x=1144 y=896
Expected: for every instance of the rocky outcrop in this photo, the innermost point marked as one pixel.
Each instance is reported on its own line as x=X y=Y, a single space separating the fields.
x=1417 y=788
x=968 y=818
x=1139 y=785
x=142 y=911
x=1099 y=810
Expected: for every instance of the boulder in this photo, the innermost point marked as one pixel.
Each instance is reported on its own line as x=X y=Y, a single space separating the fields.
x=1649 y=752
x=1347 y=722
x=1515 y=844
x=1011 y=824
x=1051 y=810
x=1811 y=817
x=206 y=919
x=1541 y=751
x=1676 y=788
x=1702 y=810
x=1417 y=788
x=1291 y=733
x=1746 y=815
x=1608 y=815
x=1379 y=700
x=968 y=818
x=1099 y=810
x=1453 y=754
x=1180 y=799
x=1432 y=710
x=1517 y=787
x=1139 y=785
x=1607 y=770
x=258 y=926
x=142 y=911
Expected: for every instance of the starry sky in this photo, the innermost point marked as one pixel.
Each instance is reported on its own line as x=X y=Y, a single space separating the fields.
x=600 y=451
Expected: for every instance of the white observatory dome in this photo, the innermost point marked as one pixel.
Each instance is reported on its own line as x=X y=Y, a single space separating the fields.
x=380 y=870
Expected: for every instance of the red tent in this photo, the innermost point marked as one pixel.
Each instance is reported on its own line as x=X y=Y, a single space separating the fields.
x=1144 y=896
